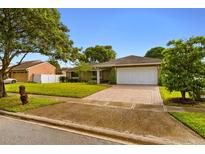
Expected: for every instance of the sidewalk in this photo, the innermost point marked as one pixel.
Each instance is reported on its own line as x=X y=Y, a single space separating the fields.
x=143 y=107
x=184 y=109
x=145 y=123
x=150 y=123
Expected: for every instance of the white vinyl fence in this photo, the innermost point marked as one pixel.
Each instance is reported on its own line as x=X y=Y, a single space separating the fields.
x=46 y=78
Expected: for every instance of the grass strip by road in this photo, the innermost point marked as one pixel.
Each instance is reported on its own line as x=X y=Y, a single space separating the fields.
x=196 y=121
x=12 y=103
x=78 y=90
x=167 y=96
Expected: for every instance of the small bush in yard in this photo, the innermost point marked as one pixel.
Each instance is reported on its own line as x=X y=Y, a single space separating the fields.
x=63 y=79
x=73 y=80
x=94 y=78
x=160 y=81
x=112 y=77
x=92 y=82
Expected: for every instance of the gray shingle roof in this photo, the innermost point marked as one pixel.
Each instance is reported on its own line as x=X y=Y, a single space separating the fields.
x=130 y=60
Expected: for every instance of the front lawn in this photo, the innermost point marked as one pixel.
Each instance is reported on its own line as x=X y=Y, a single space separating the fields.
x=167 y=96
x=58 y=89
x=12 y=103
x=195 y=121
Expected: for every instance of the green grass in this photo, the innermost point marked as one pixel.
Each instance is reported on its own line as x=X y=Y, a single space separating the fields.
x=58 y=89
x=195 y=121
x=166 y=96
x=12 y=103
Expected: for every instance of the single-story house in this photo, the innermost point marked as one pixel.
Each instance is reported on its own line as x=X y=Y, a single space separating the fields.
x=64 y=70
x=26 y=70
x=128 y=70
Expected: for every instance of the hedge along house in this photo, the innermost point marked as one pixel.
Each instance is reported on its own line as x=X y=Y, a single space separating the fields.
x=128 y=70
x=26 y=70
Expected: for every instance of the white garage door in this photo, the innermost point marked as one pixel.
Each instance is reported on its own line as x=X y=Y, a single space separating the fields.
x=137 y=75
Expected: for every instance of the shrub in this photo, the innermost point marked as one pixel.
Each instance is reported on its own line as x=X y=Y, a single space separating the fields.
x=94 y=78
x=63 y=79
x=73 y=80
x=104 y=81
x=196 y=94
x=160 y=81
x=92 y=82
x=112 y=77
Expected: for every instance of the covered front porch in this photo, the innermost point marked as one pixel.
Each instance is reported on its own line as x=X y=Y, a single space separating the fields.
x=98 y=75
x=102 y=75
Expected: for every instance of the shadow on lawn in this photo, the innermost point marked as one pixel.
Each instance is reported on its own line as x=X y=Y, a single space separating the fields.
x=187 y=101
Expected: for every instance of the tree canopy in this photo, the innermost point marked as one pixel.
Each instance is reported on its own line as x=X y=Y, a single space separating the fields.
x=55 y=63
x=24 y=31
x=98 y=54
x=182 y=67
x=155 y=52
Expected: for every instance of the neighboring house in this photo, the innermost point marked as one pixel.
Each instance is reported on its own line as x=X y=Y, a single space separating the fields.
x=129 y=70
x=64 y=70
x=26 y=70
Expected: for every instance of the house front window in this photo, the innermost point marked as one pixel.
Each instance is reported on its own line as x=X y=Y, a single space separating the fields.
x=74 y=75
x=94 y=75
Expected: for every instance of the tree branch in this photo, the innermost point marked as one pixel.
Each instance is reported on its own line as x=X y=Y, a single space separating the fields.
x=17 y=63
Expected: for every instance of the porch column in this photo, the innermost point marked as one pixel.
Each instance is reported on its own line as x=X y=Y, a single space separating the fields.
x=98 y=76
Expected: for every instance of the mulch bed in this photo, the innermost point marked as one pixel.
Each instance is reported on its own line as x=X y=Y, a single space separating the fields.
x=183 y=101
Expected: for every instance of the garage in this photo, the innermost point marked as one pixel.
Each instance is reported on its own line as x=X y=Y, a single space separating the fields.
x=132 y=70
x=137 y=75
x=20 y=76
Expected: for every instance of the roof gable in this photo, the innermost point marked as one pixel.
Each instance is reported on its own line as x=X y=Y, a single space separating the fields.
x=26 y=64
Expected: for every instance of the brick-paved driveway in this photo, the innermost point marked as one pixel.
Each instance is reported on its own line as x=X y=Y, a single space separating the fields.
x=135 y=94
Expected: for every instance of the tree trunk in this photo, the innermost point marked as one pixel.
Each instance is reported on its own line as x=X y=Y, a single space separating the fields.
x=2 y=87
x=183 y=93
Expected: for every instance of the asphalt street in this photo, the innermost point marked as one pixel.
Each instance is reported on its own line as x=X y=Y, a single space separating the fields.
x=19 y=132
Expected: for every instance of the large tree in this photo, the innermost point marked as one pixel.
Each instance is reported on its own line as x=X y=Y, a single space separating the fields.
x=155 y=52
x=24 y=31
x=182 y=67
x=55 y=63
x=98 y=54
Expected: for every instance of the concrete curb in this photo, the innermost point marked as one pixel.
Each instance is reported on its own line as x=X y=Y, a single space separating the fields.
x=127 y=137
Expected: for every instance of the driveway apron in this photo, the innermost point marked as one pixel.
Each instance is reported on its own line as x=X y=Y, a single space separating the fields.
x=135 y=94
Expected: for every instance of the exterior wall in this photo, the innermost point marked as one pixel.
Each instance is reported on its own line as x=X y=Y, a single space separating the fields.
x=105 y=72
x=44 y=68
x=63 y=72
x=85 y=76
x=105 y=75
x=68 y=75
x=21 y=76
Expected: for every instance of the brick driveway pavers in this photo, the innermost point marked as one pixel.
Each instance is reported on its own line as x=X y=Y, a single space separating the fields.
x=135 y=94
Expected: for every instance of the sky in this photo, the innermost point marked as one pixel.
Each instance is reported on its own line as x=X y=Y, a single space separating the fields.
x=129 y=31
